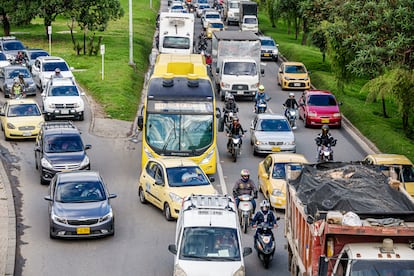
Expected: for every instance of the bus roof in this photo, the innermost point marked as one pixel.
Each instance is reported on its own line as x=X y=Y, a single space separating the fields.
x=180 y=65
x=180 y=88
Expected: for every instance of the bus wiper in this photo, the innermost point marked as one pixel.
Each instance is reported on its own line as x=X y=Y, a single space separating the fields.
x=164 y=148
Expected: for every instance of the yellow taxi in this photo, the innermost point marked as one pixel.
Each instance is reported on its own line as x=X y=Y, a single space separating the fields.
x=293 y=75
x=401 y=165
x=164 y=182
x=213 y=26
x=272 y=176
x=20 y=119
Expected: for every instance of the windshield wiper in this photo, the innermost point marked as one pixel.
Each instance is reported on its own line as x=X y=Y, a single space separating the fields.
x=164 y=148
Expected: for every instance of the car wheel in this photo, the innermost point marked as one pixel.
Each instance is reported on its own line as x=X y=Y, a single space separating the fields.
x=167 y=212
x=141 y=196
x=112 y=233
x=81 y=117
x=305 y=121
x=36 y=165
x=42 y=181
x=51 y=235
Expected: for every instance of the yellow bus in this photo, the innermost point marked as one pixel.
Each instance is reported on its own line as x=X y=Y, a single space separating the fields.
x=179 y=116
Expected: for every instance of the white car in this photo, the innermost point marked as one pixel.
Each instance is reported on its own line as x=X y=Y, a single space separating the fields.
x=250 y=23
x=62 y=99
x=209 y=16
x=200 y=8
x=44 y=68
x=3 y=60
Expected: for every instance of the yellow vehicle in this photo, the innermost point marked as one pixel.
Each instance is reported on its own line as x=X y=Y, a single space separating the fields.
x=179 y=116
x=293 y=75
x=272 y=176
x=400 y=164
x=213 y=26
x=164 y=182
x=21 y=119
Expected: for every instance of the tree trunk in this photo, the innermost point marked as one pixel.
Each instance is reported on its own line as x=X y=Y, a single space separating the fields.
x=305 y=32
x=6 y=23
x=384 y=111
x=405 y=121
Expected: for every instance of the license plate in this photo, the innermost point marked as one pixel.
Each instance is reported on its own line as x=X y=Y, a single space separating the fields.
x=64 y=112
x=83 y=231
x=240 y=92
x=27 y=133
x=324 y=121
x=296 y=84
x=267 y=55
x=276 y=149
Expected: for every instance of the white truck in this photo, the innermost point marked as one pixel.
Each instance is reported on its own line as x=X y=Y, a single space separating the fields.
x=236 y=64
x=176 y=33
x=231 y=12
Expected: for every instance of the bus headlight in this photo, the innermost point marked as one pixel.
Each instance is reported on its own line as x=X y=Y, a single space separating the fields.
x=207 y=159
x=148 y=153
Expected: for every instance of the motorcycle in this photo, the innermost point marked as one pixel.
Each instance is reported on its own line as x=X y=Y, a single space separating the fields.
x=291 y=114
x=265 y=243
x=260 y=106
x=245 y=210
x=326 y=152
x=235 y=146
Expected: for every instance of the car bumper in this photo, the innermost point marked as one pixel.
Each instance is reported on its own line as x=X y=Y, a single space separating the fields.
x=277 y=202
x=241 y=93
x=269 y=56
x=64 y=113
x=295 y=84
x=48 y=174
x=82 y=231
x=175 y=209
x=317 y=121
x=19 y=134
x=273 y=149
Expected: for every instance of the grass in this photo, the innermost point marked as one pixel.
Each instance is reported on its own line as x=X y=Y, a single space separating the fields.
x=385 y=133
x=120 y=92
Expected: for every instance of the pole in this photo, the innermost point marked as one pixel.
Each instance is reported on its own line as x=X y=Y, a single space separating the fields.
x=49 y=32
x=103 y=64
x=131 y=48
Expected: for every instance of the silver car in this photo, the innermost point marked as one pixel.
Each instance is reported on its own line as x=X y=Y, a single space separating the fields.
x=271 y=133
x=269 y=48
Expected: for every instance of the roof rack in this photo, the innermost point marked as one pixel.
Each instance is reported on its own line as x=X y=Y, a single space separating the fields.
x=62 y=124
x=209 y=202
x=8 y=37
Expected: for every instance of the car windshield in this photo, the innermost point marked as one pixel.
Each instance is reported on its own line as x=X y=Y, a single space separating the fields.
x=18 y=110
x=322 y=100
x=240 y=68
x=213 y=15
x=234 y=5
x=186 y=176
x=210 y=243
x=273 y=125
x=2 y=56
x=250 y=20
x=59 y=144
x=176 y=42
x=34 y=55
x=79 y=191
x=217 y=25
x=12 y=45
x=382 y=267
x=15 y=73
x=51 y=66
x=201 y=7
x=267 y=42
x=295 y=69
x=64 y=91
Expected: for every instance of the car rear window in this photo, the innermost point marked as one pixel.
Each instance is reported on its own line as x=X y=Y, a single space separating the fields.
x=12 y=46
x=51 y=66
x=322 y=100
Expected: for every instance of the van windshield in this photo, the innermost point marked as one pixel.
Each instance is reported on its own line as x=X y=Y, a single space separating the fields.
x=210 y=243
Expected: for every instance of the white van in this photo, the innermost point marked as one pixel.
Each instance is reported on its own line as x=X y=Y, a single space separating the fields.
x=207 y=239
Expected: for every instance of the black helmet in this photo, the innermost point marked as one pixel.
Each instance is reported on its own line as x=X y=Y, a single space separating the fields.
x=325 y=129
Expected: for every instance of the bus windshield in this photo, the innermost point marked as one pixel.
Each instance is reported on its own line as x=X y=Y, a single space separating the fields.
x=179 y=132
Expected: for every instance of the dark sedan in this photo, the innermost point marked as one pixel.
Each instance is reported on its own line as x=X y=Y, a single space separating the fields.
x=9 y=73
x=79 y=206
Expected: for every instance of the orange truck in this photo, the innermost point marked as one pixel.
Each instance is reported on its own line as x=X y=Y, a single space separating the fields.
x=348 y=219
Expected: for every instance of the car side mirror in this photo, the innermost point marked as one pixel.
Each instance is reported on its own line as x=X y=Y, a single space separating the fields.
x=37 y=148
x=140 y=122
x=172 y=248
x=88 y=146
x=211 y=178
x=247 y=251
x=48 y=198
x=339 y=103
x=112 y=196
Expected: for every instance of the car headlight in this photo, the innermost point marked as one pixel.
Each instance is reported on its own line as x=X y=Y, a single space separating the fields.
x=286 y=78
x=59 y=219
x=277 y=192
x=275 y=52
x=261 y=143
x=175 y=197
x=254 y=86
x=178 y=271
x=312 y=114
x=46 y=164
x=11 y=126
x=306 y=78
x=106 y=217
x=337 y=115
x=85 y=161
x=240 y=271
x=289 y=142
x=225 y=85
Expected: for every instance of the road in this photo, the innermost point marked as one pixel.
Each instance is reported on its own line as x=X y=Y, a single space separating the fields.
x=139 y=246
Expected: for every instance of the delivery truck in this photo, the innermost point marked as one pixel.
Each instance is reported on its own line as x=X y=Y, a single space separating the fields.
x=348 y=219
x=176 y=33
x=236 y=64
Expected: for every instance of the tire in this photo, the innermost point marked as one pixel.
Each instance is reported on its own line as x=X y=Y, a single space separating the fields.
x=51 y=235
x=234 y=153
x=141 y=196
x=245 y=224
x=305 y=122
x=167 y=212
x=42 y=181
x=266 y=261
x=81 y=117
x=36 y=165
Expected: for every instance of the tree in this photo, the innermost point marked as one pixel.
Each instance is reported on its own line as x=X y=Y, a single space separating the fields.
x=94 y=15
x=49 y=9
x=16 y=13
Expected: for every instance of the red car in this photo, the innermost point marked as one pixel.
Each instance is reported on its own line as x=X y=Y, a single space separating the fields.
x=319 y=107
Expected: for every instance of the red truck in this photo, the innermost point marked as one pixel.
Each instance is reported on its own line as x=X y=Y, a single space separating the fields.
x=348 y=219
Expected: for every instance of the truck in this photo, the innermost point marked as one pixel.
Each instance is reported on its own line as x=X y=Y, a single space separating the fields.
x=236 y=67
x=176 y=33
x=231 y=11
x=247 y=8
x=348 y=218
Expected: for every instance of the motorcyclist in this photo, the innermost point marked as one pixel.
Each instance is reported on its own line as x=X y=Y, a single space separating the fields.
x=324 y=139
x=209 y=60
x=21 y=79
x=260 y=96
x=290 y=103
x=235 y=128
x=19 y=57
x=245 y=186
x=229 y=106
x=263 y=215
x=17 y=89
